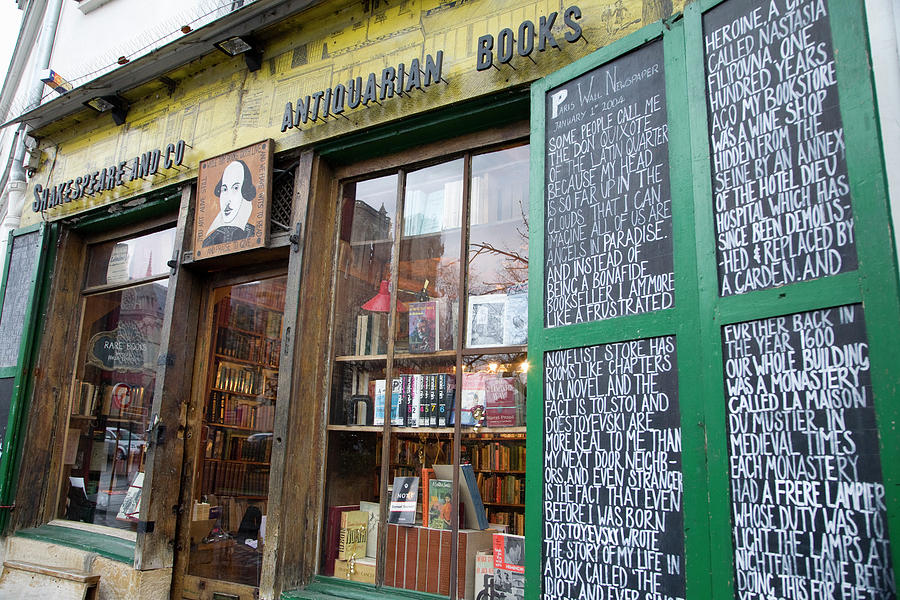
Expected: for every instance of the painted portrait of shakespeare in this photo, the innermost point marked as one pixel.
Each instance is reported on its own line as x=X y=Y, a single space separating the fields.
x=235 y=192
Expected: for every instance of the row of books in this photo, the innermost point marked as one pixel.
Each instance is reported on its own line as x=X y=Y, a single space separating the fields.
x=248 y=347
x=514 y=521
x=505 y=489
x=420 y=400
x=370 y=334
x=236 y=378
x=225 y=409
x=235 y=478
x=227 y=445
x=406 y=451
x=498 y=456
x=116 y=400
x=250 y=317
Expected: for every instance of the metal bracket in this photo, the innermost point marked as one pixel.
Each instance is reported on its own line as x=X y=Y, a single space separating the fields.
x=295 y=237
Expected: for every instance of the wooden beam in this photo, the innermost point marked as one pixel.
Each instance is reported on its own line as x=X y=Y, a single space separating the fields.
x=37 y=489
x=156 y=543
x=297 y=452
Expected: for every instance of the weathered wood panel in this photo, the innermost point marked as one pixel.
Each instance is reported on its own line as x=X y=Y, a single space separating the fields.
x=155 y=549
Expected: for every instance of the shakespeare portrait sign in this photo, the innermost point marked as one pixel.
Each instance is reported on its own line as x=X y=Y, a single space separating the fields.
x=233 y=192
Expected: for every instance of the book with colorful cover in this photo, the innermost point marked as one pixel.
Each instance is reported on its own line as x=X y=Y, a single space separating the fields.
x=440 y=493
x=476 y=517
x=471 y=396
x=353 y=534
x=424 y=327
x=500 y=402
x=403 y=501
x=509 y=567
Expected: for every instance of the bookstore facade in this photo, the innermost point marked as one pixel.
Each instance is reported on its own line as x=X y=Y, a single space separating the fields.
x=294 y=305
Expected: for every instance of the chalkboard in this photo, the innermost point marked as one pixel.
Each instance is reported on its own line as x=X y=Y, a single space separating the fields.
x=779 y=174
x=608 y=223
x=19 y=279
x=613 y=518
x=808 y=502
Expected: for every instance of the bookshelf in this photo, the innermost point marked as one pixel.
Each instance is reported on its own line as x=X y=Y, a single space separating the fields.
x=235 y=447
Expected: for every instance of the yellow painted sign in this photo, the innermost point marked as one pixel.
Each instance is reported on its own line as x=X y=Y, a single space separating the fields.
x=218 y=105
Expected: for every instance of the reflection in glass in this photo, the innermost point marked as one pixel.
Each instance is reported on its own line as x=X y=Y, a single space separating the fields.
x=429 y=259
x=119 y=262
x=109 y=406
x=366 y=248
x=497 y=313
x=232 y=478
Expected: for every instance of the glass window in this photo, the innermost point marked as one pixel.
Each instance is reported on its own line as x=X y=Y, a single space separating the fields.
x=440 y=402
x=122 y=261
x=231 y=483
x=112 y=391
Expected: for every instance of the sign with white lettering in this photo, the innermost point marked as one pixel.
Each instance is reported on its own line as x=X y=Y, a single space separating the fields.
x=608 y=229
x=780 y=186
x=808 y=502
x=613 y=516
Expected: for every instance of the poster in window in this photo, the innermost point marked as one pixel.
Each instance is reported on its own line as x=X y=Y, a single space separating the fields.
x=233 y=192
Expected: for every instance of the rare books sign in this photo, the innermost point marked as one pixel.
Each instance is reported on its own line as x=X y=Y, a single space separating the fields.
x=233 y=192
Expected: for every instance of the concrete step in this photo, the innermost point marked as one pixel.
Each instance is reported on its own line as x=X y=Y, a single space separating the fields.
x=21 y=579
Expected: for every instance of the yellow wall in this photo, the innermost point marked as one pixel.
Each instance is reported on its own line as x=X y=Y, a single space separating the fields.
x=218 y=105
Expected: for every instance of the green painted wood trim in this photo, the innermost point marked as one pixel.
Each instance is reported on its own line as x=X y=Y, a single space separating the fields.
x=112 y=216
x=679 y=321
x=28 y=345
x=328 y=588
x=107 y=546
x=468 y=117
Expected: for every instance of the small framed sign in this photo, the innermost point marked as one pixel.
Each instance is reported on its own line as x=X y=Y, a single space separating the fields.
x=233 y=192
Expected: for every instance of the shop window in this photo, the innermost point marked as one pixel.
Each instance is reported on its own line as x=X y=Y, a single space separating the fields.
x=112 y=390
x=231 y=483
x=428 y=381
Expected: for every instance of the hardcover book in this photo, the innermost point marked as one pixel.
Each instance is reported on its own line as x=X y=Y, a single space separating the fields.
x=500 y=402
x=471 y=396
x=353 y=535
x=403 y=501
x=440 y=492
x=373 y=510
x=476 y=517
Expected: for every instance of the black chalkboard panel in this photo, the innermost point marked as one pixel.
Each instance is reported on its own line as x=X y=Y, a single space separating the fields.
x=608 y=224
x=808 y=502
x=781 y=194
x=19 y=278
x=613 y=518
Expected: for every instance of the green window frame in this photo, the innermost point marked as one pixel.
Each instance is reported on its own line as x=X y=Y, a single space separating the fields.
x=19 y=372
x=700 y=313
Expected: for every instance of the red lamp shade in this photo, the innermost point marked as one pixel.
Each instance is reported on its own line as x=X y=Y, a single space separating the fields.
x=380 y=302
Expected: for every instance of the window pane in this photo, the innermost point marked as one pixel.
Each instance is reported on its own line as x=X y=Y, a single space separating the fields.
x=119 y=262
x=232 y=478
x=366 y=248
x=495 y=385
x=498 y=250
x=429 y=260
x=109 y=406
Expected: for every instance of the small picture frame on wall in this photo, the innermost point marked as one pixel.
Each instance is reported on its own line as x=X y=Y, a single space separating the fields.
x=233 y=193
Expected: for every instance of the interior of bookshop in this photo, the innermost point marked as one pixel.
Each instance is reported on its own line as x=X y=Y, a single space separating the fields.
x=440 y=251
x=231 y=482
